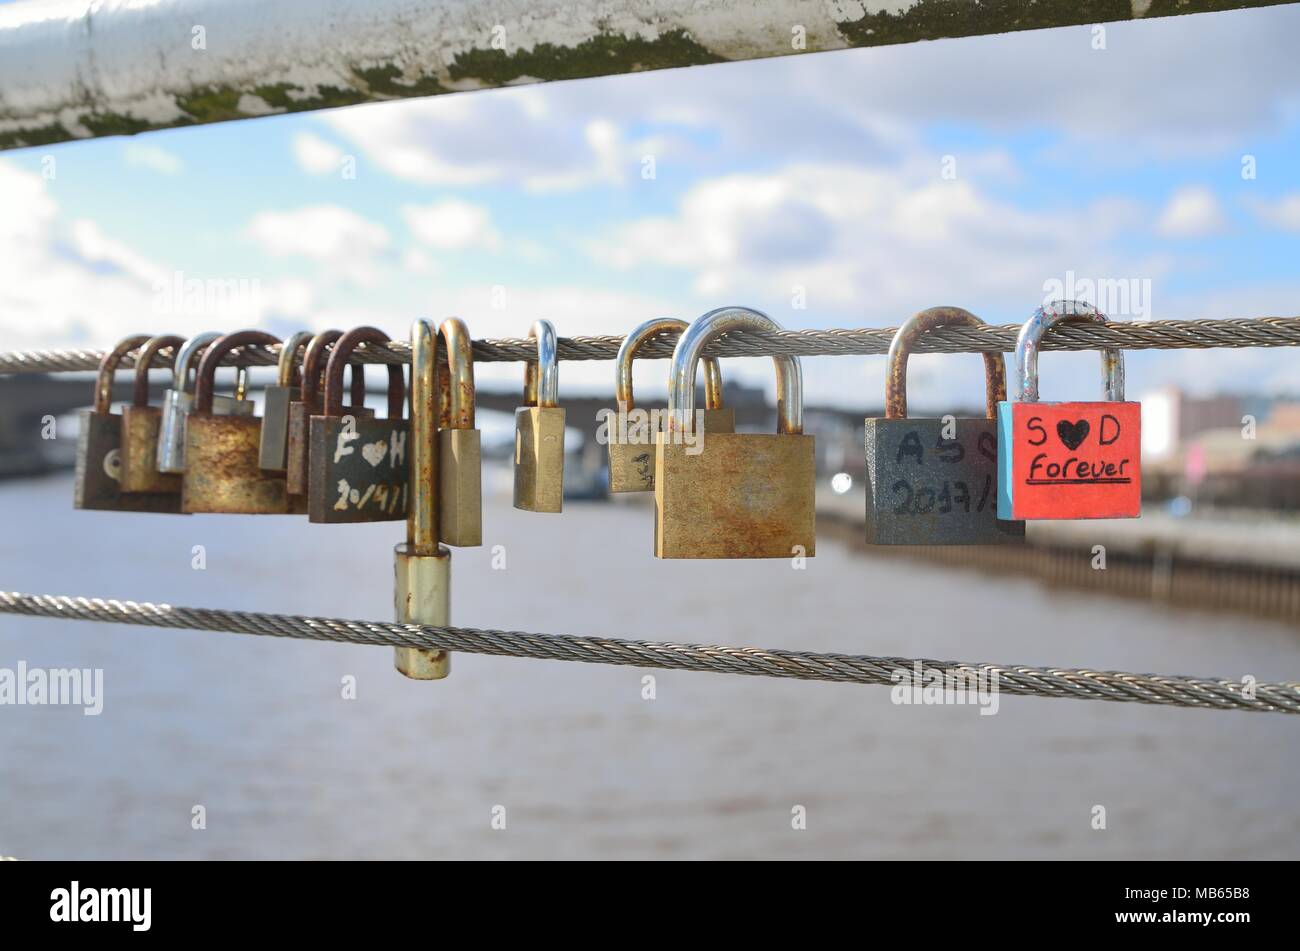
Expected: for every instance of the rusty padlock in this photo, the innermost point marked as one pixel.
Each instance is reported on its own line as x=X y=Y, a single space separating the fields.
x=276 y=399
x=539 y=429
x=309 y=404
x=631 y=435
x=935 y=481
x=460 y=456
x=1068 y=460
x=358 y=467
x=422 y=566
x=141 y=424
x=98 y=483
x=179 y=399
x=733 y=495
x=222 y=474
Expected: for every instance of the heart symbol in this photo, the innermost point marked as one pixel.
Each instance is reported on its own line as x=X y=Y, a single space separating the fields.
x=1072 y=434
x=374 y=452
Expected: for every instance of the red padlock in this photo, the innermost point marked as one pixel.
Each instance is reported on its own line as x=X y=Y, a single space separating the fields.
x=1068 y=460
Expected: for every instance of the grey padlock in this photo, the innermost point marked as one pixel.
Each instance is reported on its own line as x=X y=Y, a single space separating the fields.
x=180 y=398
x=935 y=481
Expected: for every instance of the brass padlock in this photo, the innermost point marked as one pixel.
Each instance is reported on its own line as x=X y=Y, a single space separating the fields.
x=422 y=593
x=632 y=433
x=140 y=427
x=733 y=495
x=539 y=430
x=274 y=447
x=301 y=410
x=178 y=401
x=460 y=457
x=221 y=452
x=99 y=449
x=358 y=468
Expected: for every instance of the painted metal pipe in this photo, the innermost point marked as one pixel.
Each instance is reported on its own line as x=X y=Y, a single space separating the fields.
x=76 y=69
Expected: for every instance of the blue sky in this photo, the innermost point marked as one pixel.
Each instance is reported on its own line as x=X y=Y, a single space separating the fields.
x=868 y=183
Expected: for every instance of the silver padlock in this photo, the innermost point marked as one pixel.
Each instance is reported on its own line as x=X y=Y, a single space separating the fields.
x=180 y=398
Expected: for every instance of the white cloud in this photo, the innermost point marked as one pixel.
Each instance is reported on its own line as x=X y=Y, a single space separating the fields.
x=452 y=225
x=1192 y=212
x=143 y=155
x=315 y=155
x=507 y=135
x=1282 y=213
x=348 y=244
x=871 y=241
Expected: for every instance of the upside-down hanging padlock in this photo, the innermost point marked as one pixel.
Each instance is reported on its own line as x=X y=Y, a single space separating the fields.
x=358 y=468
x=179 y=399
x=276 y=399
x=733 y=495
x=308 y=404
x=1068 y=460
x=935 y=481
x=222 y=474
x=141 y=424
x=422 y=592
x=539 y=430
x=632 y=431
x=460 y=457
x=98 y=482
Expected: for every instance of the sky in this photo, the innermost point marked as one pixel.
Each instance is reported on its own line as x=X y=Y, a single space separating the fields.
x=842 y=189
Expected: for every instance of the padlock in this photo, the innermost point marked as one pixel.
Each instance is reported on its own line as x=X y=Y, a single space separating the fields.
x=98 y=482
x=631 y=436
x=460 y=495
x=178 y=401
x=733 y=495
x=301 y=410
x=539 y=429
x=1068 y=460
x=422 y=593
x=140 y=427
x=935 y=481
x=274 y=447
x=221 y=452
x=357 y=467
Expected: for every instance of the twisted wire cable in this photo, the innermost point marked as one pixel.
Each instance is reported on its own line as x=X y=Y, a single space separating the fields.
x=1000 y=338
x=798 y=665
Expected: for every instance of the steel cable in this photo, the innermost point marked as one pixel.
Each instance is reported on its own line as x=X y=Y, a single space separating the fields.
x=1137 y=335
x=798 y=665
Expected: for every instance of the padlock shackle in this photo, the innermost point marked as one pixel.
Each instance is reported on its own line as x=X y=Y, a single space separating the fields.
x=900 y=348
x=633 y=342
x=313 y=372
x=108 y=369
x=212 y=357
x=422 y=511
x=341 y=356
x=1031 y=336
x=187 y=358
x=702 y=331
x=456 y=386
x=542 y=379
x=288 y=358
x=143 y=360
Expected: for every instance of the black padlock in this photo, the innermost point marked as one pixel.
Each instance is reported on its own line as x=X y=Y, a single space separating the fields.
x=358 y=469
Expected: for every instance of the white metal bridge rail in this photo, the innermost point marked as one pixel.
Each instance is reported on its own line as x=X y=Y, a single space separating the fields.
x=75 y=69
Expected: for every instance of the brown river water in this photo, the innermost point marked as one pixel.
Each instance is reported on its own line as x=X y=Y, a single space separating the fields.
x=257 y=731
